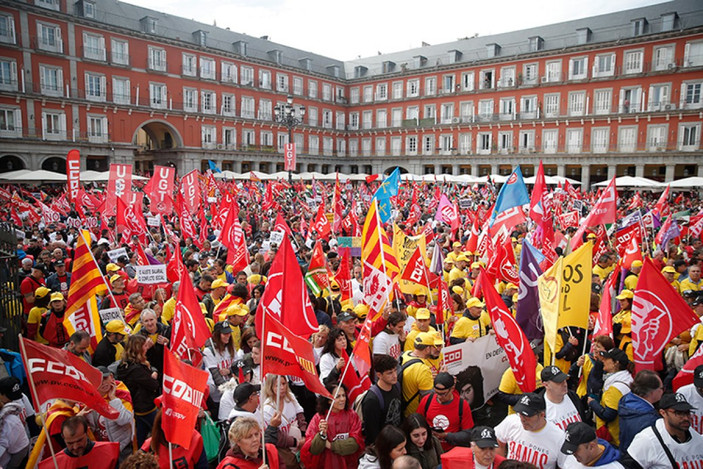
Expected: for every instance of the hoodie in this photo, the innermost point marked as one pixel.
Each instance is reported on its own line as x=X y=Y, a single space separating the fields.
x=635 y=414
x=609 y=455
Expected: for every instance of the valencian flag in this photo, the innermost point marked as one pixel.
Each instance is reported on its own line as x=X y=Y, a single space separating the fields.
x=376 y=249
x=182 y=398
x=86 y=282
x=189 y=327
x=317 y=278
x=659 y=314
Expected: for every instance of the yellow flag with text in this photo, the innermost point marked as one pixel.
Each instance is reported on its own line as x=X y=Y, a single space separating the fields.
x=549 y=287
x=575 y=302
x=405 y=246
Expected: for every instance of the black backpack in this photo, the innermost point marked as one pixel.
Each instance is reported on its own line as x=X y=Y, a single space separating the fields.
x=401 y=369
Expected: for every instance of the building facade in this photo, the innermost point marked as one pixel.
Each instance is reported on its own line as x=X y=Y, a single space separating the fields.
x=609 y=95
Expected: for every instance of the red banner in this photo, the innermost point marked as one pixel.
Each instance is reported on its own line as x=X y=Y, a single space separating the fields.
x=289 y=153
x=188 y=229
x=58 y=374
x=160 y=191
x=73 y=174
x=119 y=185
x=190 y=189
x=189 y=327
x=182 y=399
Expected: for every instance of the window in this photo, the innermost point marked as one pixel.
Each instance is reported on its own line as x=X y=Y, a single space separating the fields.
x=633 y=62
x=430 y=111
x=340 y=120
x=656 y=137
x=207 y=68
x=630 y=100
x=397 y=90
x=367 y=120
x=396 y=117
x=8 y=74
x=553 y=72
x=577 y=102
x=602 y=100
x=49 y=37
x=627 y=139
x=551 y=105
x=659 y=97
x=689 y=136
x=190 y=65
x=368 y=94
x=281 y=140
x=266 y=139
x=466 y=111
x=396 y=146
x=505 y=142
x=265 y=109
x=229 y=137
x=314 y=144
x=550 y=139
x=526 y=141
x=507 y=108
x=10 y=122
x=467 y=81
x=51 y=80
x=486 y=80
x=95 y=87
x=93 y=47
x=88 y=9
x=297 y=86
x=428 y=144
x=507 y=77
x=448 y=84
x=53 y=125
x=381 y=119
x=604 y=65
x=247 y=107
x=380 y=146
x=691 y=97
x=228 y=72
x=446 y=111
x=485 y=109
x=312 y=89
x=412 y=112
x=326 y=119
x=464 y=144
x=578 y=68
x=327 y=146
x=600 y=140
x=528 y=107
x=326 y=92
x=693 y=54
x=265 y=79
x=282 y=82
x=366 y=147
x=157 y=59
x=484 y=143
x=413 y=88
x=381 y=91
x=209 y=136
x=312 y=116
x=247 y=76
x=208 y=104
x=7 y=29
x=157 y=95
x=97 y=129
x=663 y=57
x=229 y=104
x=341 y=147
x=248 y=137
x=353 y=121
x=190 y=99
x=430 y=86
x=354 y=95
x=411 y=145
x=119 y=52
x=120 y=90
x=530 y=74
x=49 y=4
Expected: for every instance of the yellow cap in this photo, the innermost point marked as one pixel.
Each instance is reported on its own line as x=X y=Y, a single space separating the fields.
x=115 y=278
x=422 y=313
x=668 y=270
x=428 y=338
x=56 y=297
x=117 y=327
x=462 y=257
x=510 y=285
x=456 y=244
x=591 y=236
x=474 y=303
x=112 y=267
x=625 y=294
x=458 y=290
x=218 y=282
x=361 y=310
x=476 y=265
x=636 y=263
x=41 y=292
x=334 y=285
x=448 y=261
x=236 y=310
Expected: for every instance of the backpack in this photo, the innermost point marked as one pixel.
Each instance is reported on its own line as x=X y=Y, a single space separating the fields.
x=401 y=369
x=461 y=409
x=359 y=402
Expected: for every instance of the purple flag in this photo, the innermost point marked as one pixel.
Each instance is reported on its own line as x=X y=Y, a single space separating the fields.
x=671 y=233
x=527 y=309
x=437 y=262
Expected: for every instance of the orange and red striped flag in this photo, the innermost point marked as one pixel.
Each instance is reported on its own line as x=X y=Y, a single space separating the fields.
x=376 y=249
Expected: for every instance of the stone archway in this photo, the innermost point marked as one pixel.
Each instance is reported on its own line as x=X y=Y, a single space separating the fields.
x=389 y=170
x=11 y=163
x=157 y=142
x=56 y=164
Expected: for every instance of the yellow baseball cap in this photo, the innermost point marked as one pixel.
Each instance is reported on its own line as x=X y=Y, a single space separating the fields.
x=476 y=265
x=458 y=290
x=419 y=291
x=510 y=285
x=668 y=270
x=456 y=244
x=422 y=313
x=462 y=258
x=117 y=327
x=41 y=292
x=636 y=263
x=115 y=278
x=56 y=296
x=112 y=267
x=474 y=303
x=428 y=338
x=625 y=294
x=219 y=283
x=361 y=310
x=236 y=310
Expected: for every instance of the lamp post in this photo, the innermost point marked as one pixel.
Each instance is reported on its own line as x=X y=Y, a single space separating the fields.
x=286 y=114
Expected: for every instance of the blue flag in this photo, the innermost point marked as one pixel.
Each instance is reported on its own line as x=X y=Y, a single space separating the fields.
x=388 y=189
x=213 y=166
x=527 y=312
x=512 y=194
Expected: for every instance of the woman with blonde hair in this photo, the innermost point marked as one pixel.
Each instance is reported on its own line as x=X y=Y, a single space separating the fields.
x=278 y=398
x=245 y=451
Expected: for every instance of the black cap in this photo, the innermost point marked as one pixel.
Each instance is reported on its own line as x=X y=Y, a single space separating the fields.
x=123 y=259
x=345 y=316
x=10 y=387
x=444 y=380
x=675 y=401
x=105 y=371
x=617 y=355
x=698 y=376
x=577 y=433
x=530 y=404
x=553 y=373
x=688 y=293
x=243 y=392
x=223 y=327
x=39 y=266
x=484 y=437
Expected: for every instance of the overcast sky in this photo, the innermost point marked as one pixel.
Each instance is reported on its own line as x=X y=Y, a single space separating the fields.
x=347 y=30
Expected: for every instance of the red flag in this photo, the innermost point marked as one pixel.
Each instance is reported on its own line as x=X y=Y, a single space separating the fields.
x=444 y=304
x=603 y=212
x=58 y=374
x=190 y=190
x=568 y=220
x=416 y=270
x=285 y=296
x=659 y=314
x=636 y=202
x=281 y=224
x=343 y=277
x=685 y=376
x=472 y=243
x=128 y=221
x=632 y=253
x=73 y=174
x=503 y=262
x=510 y=337
x=284 y=353
x=322 y=225
x=539 y=192
x=188 y=228
x=354 y=381
x=159 y=189
x=237 y=252
x=624 y=236
x=604 y=320
x=182 y=398
x=119 y=185
x=189 y=327
x=175 y=268
x=661 y=208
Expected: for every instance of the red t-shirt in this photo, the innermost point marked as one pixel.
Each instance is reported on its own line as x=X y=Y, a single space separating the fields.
x=29 y=285
x=445 y=417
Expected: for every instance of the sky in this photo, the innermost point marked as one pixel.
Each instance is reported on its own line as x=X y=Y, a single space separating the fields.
x=362 y=28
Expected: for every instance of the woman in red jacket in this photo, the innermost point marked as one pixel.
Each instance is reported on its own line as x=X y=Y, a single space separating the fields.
x=245 y=453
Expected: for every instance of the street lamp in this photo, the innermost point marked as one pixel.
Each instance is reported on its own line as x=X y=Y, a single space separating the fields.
x=286 y=114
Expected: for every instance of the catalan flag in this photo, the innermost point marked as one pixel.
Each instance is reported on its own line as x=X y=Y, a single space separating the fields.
x=376 y=249
x=86 y=283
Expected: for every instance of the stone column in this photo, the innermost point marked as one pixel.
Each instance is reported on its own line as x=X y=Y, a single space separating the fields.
x=561 y=170
x=474 y=170
x=456 y=170
x=639 y=171
x=494 y=168
x=438 y=169
x=585 y=177
x=670 y=168
x=612 y=171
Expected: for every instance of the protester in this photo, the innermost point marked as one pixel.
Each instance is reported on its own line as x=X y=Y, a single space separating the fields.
x=694 y=395
x=172 y=455
x=448 y=414
x=420 y=441
x=388 y=446
x=81 y=451
x=381 y=404
x=279 y=399
x=245 y=452
x=585 y=449
x=636 y=409
x=617 y=384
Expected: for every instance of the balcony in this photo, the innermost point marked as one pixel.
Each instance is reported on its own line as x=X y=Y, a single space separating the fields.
x=94 y=53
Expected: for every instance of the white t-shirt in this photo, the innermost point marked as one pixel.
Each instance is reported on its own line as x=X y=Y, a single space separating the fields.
x=696 y=400
x=13 y=438
x=541 y=448
x=289 y=416
x=327 y=364
x=562 y=414
x=387 y=344
x=648 y=452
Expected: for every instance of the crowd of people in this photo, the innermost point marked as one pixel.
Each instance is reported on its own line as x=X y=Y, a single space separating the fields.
x=587 y=410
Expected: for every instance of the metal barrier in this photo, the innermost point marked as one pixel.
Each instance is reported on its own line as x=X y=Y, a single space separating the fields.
x=11 y=315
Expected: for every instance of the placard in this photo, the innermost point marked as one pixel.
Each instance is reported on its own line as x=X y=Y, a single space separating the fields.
x=109 y=314
x=116 y=253
x=276 y=237
x=465 y=203
x=153 y=221
x=151 y=274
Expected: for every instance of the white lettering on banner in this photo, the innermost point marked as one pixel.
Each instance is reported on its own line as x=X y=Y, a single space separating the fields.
x=74 y=173
x=120 y=182
x=73 y=222
x=151 y=274
x=39 y=365
x=180 y=390
x=278 y=341
x=116 y=253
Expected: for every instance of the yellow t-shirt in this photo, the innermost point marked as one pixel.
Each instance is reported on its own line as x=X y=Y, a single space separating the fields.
x=611 y=398
x=696 y=338
x=602 y=272
x=456 y=273
x=34 y=317
x=508 y=383
x=687 y=284
x=466 y=327
x=168 y=310
x=416 y=378
x=410 y=338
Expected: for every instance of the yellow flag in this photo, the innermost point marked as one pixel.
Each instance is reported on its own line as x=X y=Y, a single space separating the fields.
x=405 y=246
x=549 y=285
x=575 y=302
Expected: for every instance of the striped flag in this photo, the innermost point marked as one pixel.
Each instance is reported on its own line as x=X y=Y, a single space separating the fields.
x=316 y=278
x=86 y=282
x=376 y=249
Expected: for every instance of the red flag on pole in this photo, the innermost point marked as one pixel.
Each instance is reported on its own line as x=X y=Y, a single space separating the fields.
x=182 y=399
x=322 y=225
x=415 y=270
x=190 y=190
x=602 y=213
x=659 y=314
x=189 y=327
x=119 y=185
x=159 y=189
x=604 y=320
x=73 y=174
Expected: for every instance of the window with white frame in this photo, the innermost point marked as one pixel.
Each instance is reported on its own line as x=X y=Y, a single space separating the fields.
x=157 y=95
x=467 y=81
x=413 y=88
x=367 y=119
x=97 y=129
x=411 y=144
x=485 y=109
x=340 y=120
x=627 y=139
x=228 y=72
x=604 y=65
x=530 y=74
x=53 y=125
x=353 y=147
x=428 y=144
x=396 y=146
x=381 y=119
x=397 y=90
x=265 y=79
x=602 y=101
x=209 y=136
x=657 y=137
x=327 y=146
x=505 y=142
x=507 y=108
x=464 y=144
x=430 y=86
x=229 y=104
x=448 y=83
x=600 y=139
x=396 y=117
x=578 y=68
x=430 y=111
x=693 y=54
x=8 y=74
x=297 y=86
x=49 y=4
x=528 y=107
x=353 y=121
x=577 y=103
x=312 y=89
x=380 y=146
x=299 y=141
x=229 y=137
x=190 y=99
x=119 y=51
x=266 y=138
x=632 y=62
x=49 y=37
x=282 y=82
x=88 y=9
x=281 y=140
x=466 y=111
x=446 y=144
x=157 y=58
x=341 y=147
x=10 y=122
x=507 y=77
x=381 y=91
x=312 y=116
x=550 y=140
x=326 y=118
x=326 y=92
x=446 y=113
x=51 y=80
x=486 y=79
x=551 y=105
x=553 y=71
x=659 y=97
x=208 y=70
x=368 y=94
x=93 y=46
x=190 y=65
x=121 y=92
x=7 y=28
x=265 y=110
x=484 y=142
x=662 y=57
x=365 y=147
x=248 y=137
x=208 y=102
x=247 y=77
x=354 y=95
x=526 y=141
x=691 y=95
x=95 y=87
x=630 y=99
x=689 y=136
x=247 y=107
x=412 y=112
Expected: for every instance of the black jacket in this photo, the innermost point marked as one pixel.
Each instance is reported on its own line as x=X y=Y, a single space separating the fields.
x=143 y=388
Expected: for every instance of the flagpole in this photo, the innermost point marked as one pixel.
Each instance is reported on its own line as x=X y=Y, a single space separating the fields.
x=90 y=251
x=383 y=257
x=170 y=455
x=261 y=407
x=35 y=397
x=341 y=379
